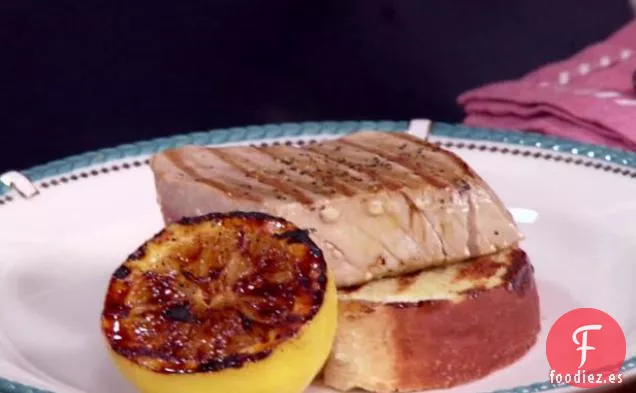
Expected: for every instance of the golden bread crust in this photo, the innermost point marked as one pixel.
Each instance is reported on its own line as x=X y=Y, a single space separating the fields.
x=412 y=346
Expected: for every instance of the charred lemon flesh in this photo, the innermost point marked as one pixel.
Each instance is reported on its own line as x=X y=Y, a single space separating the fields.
x=234 y=302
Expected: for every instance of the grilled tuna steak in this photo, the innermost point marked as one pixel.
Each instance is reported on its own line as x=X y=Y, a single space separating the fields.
x=378 y=204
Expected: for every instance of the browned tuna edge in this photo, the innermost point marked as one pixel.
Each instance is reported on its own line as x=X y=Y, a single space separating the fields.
x=111 y=311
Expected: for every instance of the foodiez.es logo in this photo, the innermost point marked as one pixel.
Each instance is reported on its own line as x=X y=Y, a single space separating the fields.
x=586 y=348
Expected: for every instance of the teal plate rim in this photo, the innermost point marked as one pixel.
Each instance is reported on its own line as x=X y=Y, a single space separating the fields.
x=283 y=130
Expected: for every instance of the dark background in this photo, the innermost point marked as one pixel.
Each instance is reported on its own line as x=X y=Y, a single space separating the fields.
x=77 y=75
x=80 y=75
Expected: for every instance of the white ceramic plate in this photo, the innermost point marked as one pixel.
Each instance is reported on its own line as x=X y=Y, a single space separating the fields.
x=576 y=204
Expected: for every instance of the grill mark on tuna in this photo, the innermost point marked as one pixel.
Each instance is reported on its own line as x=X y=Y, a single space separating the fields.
x=353 y=175
x=438 y=159
x=373 y=169
x=174 y=157
x=422 y=143
x=406 y=232
x=386 y=182
x=329 y=177
x=282 y=186
x=406 y=163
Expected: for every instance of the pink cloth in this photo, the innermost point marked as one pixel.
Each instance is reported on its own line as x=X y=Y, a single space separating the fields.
x=589 y=97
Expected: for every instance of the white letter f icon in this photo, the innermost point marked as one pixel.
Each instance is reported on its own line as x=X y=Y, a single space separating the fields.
x=584 y=347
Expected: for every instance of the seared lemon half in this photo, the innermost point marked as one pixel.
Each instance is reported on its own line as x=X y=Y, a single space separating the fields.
x=229 y=303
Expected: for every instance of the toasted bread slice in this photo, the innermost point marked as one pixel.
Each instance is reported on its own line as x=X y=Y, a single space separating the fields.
x=436 y=329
